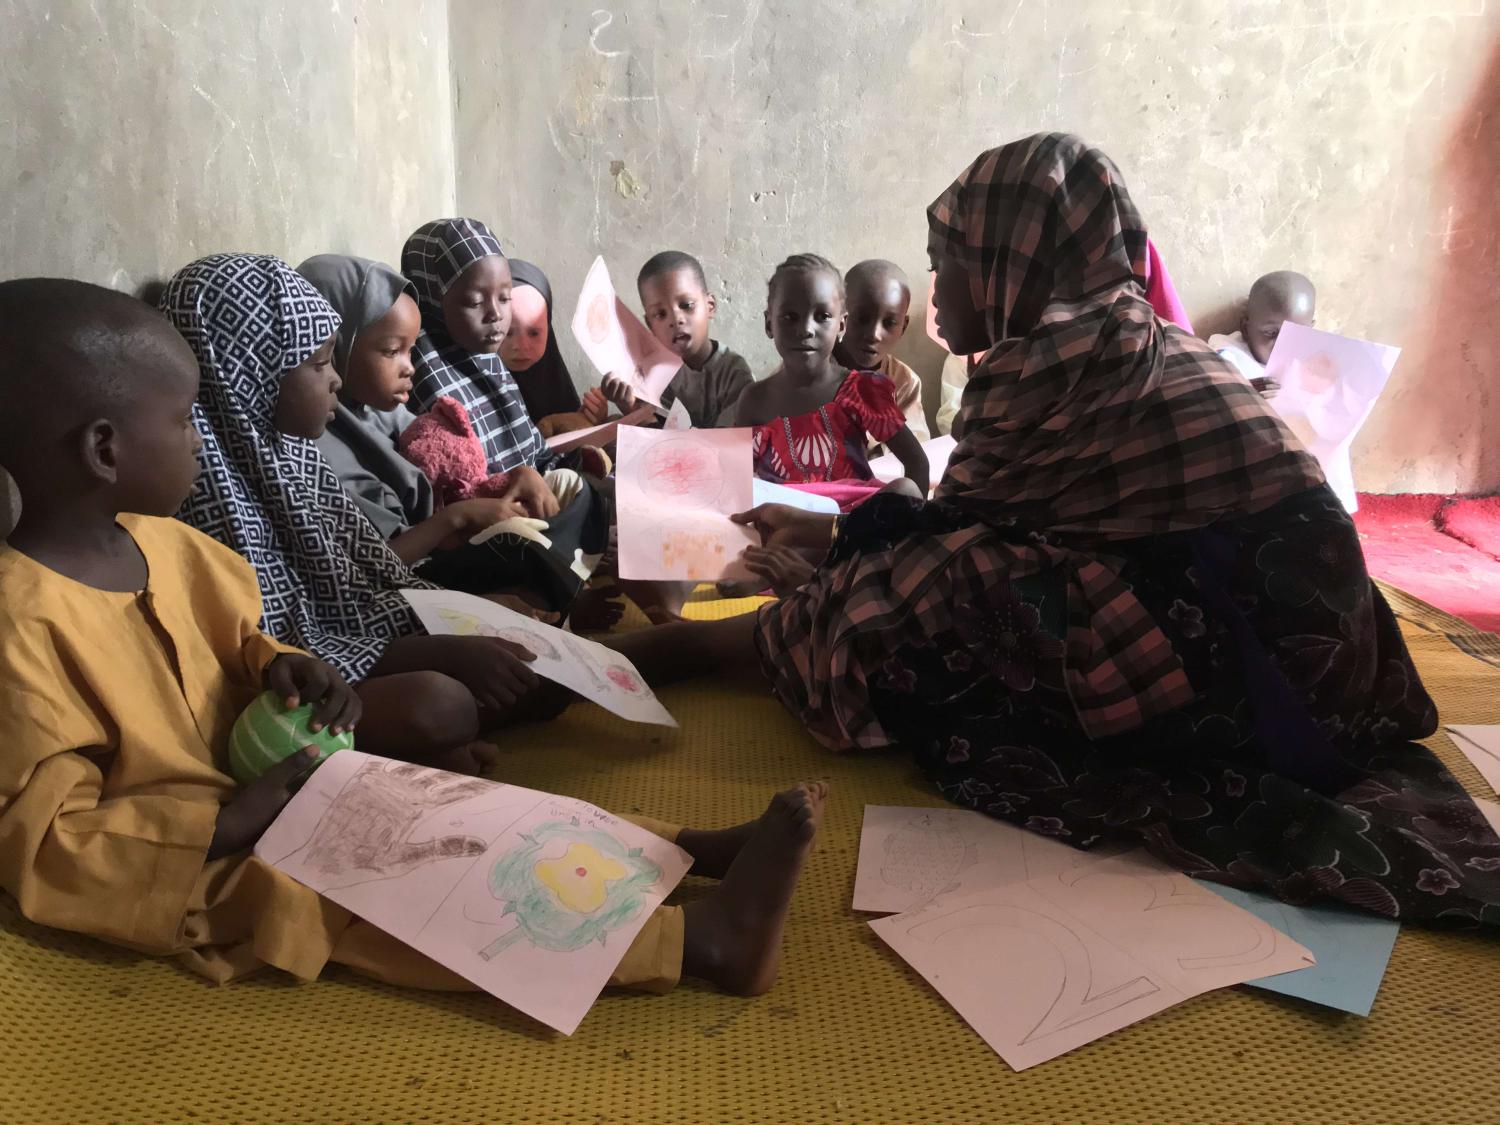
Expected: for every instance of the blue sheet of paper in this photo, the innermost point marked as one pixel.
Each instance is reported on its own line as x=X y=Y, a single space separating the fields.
x=1352 y=950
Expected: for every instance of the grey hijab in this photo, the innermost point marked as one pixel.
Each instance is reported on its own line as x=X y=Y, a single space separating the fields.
x=360 y=291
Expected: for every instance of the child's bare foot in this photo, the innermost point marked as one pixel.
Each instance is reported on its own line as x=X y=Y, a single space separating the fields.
x=546 y=701
x=474 y=759
x=734 y=936
x=596 y=610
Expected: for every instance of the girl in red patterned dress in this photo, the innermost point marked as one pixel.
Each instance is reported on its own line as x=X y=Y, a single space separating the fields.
x=814 y=420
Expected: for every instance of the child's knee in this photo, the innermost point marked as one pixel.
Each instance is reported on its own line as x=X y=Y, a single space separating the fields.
x=442 y=712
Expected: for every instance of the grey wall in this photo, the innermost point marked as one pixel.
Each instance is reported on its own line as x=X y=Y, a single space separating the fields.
x=1256 y=135
x=140 y=135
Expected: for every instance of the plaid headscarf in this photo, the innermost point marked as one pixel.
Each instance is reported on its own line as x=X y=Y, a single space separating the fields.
x=1089 y=417
x=328 y=582
x=434 y=258
x=1088 y=421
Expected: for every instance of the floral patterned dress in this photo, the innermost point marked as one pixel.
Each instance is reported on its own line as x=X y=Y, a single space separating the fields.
x=1294 y=658
x=830 y=443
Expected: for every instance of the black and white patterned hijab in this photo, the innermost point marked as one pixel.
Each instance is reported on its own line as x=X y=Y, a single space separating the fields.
x=328 y=582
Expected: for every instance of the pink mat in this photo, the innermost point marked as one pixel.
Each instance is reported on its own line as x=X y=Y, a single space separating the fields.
x=1425 y=545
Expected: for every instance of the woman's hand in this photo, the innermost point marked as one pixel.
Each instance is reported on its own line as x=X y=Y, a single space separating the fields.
x=529 y=490
x=782 y=569
x=298 y=678
x=619 y=392
x=781 y=525
x=250 y=812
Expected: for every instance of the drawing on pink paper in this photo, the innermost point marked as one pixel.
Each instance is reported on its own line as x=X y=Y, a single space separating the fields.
x=674 y=492
x=617 y=343
x=532 y=897
x=1042 y=967
x=577 y=663
x=1329 y=384
x=908 y=856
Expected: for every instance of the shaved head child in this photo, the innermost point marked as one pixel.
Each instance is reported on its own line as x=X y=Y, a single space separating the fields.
x=878 y=299
x=1274 y=299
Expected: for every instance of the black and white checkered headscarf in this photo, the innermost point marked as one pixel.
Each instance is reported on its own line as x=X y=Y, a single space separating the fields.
x=328 y=582
x=434 y=258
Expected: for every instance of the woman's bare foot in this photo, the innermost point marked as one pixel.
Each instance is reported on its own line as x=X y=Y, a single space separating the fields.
x=596 y=610
x=733 y=937
x=714 y=849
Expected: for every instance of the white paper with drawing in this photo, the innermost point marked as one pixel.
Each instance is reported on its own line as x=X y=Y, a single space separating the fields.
x=1042 y=967
x=532 y=897
x=599 y=674
x=1329 y=384
x=675 y=491
x=909 y=856
x=617 y=343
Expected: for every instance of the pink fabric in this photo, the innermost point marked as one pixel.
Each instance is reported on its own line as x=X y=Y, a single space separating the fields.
x=1161 y=292
x=848 y=494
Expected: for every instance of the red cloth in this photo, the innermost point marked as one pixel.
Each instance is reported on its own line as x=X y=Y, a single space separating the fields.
x=830 y=444
x=1160 y=291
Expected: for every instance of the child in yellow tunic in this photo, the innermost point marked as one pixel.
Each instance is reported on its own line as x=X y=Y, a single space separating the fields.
x=129 y=642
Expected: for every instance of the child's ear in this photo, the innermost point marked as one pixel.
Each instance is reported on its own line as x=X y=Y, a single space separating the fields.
x=769 y=334
x=100 y=457
x=905 y=323
x=843 y=323
x=713 y=305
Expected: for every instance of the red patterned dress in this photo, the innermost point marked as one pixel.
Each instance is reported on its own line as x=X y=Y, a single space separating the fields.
x=830 y=443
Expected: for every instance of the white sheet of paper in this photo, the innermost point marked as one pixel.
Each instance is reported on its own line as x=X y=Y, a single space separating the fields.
x=909 y=856
x=599 y=674
x=769 y=492
x=532 y=897
x=675 y=491
x=678 y=418
x=600 y=435
x=1329 y=384
x=887 y=467
x=615 y=340
x=1481 y=745
x=1042 y=967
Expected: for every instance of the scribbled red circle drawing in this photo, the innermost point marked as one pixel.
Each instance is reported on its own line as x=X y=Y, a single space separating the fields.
x=683 y=471
x=624 y=679
x=598 y=318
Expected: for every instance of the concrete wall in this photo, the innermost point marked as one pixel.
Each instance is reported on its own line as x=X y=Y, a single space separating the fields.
x=1339 y=137
x=140 y=135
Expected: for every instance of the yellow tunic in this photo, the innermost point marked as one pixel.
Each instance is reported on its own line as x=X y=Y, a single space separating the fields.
x=115 y=710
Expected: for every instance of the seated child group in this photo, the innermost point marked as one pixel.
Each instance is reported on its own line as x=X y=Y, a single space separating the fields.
x=227 y=495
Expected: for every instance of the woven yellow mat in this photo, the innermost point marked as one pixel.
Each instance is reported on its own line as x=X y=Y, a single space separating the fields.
x=88 y=1033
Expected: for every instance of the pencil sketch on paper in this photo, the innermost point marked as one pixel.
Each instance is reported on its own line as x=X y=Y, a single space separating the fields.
x=568 y=885
x=367 y=832
x=925 y=855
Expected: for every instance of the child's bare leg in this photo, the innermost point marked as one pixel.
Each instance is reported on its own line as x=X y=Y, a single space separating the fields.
x=686 y=649
x=903 y=487
x=596 y=609
x=733 y=937
x=661 y=602
x=415 y=716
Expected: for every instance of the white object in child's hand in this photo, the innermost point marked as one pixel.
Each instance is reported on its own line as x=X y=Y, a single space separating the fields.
x=678 y=418
x=616 y=342
x=1329 y=384
x=599 y=674
x=675 y=491
x=888 y=467
x=523 y=527
x=769 y=492
x=532 y=897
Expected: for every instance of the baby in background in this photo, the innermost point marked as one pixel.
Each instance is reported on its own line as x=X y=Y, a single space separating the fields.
x=878 y=298
x=679 y=310
x=1274 y=299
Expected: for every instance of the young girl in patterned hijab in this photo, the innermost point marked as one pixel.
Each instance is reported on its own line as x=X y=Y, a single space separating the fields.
x=264 y=339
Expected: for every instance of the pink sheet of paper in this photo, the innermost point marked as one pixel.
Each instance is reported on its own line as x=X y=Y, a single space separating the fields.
x=532 y=897
x=1329 y=384
x=1481 y=745
x=599 y=674
x=1042 y=967
x=615 y=340
x=887 y=467
x=909 y=856
x=675 y=491
x=599 y=435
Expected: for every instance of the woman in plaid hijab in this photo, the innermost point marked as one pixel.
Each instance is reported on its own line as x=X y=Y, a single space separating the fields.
x=1135 y=611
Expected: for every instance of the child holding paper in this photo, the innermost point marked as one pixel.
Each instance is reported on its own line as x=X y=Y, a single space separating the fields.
x=131 y=642
x=1274 y=299
x=814 y=418
x=379 y=324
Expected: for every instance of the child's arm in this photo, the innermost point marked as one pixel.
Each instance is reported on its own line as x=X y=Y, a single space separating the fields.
x=752 y=407
x=913 y=458
x=452 y=526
